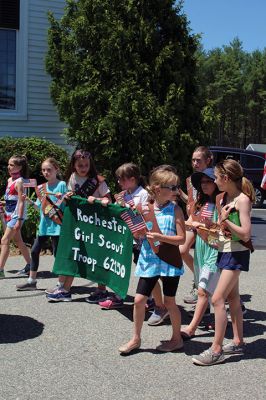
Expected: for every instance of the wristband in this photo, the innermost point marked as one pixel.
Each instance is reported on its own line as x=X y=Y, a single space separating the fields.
x=224 y=219
x=20 y=219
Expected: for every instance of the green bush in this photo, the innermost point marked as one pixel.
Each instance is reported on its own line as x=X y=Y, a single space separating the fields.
x=29 y=228
x=36 y=150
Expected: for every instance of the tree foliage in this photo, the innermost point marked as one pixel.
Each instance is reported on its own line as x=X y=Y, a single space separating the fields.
x=233 y=95
x=36 y=150
x=123 y=78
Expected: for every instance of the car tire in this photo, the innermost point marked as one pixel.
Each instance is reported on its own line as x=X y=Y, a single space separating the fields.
x=259 y=198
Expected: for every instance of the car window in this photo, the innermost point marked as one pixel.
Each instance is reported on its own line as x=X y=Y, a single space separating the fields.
x=250 y=161
x=220 y=156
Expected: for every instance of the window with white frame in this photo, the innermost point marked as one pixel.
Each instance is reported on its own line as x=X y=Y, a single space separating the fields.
x=13 y=58
x=8 y=69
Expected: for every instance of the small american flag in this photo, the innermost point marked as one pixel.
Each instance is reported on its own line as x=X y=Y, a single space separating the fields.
x=129 y=200
x=27 y=183
x=208 y=210
x=134 y=221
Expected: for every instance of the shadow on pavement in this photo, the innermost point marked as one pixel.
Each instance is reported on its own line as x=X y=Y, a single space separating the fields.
x=41 y=275
x=258 y=221
x=16 y=328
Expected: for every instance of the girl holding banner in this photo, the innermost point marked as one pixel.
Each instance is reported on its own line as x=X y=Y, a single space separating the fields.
x=50 y=203
x=82 y=180
x=160 y=257
x=15 y=210
x=133 y=194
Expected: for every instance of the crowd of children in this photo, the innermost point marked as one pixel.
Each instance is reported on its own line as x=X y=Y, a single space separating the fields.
x=218 y=207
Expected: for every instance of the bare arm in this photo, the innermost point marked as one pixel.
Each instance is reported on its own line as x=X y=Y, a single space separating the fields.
x=21 y=205
x=32 y=203
x=244 y=207
x=180 y=236
x=104 y=200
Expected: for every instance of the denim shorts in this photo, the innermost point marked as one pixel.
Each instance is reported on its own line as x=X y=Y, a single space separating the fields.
x=235 y=261
x=11 y=223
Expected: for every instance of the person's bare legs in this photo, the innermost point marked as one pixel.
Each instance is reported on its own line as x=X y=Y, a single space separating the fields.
x=157 y=296
x=226 y=284
x=236 y=314
x=184 y=250
x=5 y=244
x=68 y=282
x=22 y=247
x=138 y=317
x=175 y=317
x=200 y=309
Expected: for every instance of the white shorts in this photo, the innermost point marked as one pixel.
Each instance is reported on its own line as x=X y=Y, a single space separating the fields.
x=208 y=280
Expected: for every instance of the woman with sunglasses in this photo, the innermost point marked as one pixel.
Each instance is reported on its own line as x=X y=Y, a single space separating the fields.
x=234 y=209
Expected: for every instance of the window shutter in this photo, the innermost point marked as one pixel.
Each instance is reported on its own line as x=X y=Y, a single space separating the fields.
x=9 y=14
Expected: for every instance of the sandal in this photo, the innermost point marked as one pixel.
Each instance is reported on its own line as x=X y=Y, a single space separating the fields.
x=169 y=346
x=186 y=336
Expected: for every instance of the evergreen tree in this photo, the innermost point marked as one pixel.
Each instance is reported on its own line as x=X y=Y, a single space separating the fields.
x=123 y=78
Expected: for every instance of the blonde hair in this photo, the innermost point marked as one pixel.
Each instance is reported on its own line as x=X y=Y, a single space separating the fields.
x=52 y=161
x=235 y=172
x=161 y=176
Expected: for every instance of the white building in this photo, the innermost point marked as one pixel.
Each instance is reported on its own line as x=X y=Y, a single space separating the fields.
x=26 y=108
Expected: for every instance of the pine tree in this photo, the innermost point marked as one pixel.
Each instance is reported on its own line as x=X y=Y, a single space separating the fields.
x=123 y=78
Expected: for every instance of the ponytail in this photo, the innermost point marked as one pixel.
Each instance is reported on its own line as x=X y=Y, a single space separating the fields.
x=248 y=189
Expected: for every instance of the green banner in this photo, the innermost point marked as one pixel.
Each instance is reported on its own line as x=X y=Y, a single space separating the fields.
x=96 y=244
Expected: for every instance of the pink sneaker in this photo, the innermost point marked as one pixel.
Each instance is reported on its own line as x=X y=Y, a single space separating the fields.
x=111 y=303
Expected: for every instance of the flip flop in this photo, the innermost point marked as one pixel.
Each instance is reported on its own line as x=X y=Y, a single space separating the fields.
x=186 y=336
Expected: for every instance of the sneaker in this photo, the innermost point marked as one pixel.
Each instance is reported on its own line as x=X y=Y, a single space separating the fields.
x=27 y=286
x=150 y=304
x=111 y=303
x=24 y=271
x=192 y=297
x=206 y=314
x=232 y=348
x=2 y=274
x=158 y=316
x=59 y=296
x=208 y=357
x=96 y=297
x=54 y=289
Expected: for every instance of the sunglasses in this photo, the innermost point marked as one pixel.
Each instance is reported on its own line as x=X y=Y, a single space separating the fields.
x=173 y=188
x=82 y=154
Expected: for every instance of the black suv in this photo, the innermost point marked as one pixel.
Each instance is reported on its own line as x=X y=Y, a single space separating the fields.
x=252 y=163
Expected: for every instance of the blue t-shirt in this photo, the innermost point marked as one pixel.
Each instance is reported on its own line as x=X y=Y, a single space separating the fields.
x=47 y=227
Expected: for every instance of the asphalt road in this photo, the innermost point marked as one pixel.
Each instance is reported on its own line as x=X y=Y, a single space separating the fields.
x=259 y=228
x=69 y=350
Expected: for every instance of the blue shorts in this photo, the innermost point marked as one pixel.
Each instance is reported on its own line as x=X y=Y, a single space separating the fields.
x=235 y=261
x=10 y=224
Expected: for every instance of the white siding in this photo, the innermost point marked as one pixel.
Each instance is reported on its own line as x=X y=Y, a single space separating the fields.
x=42 y=119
